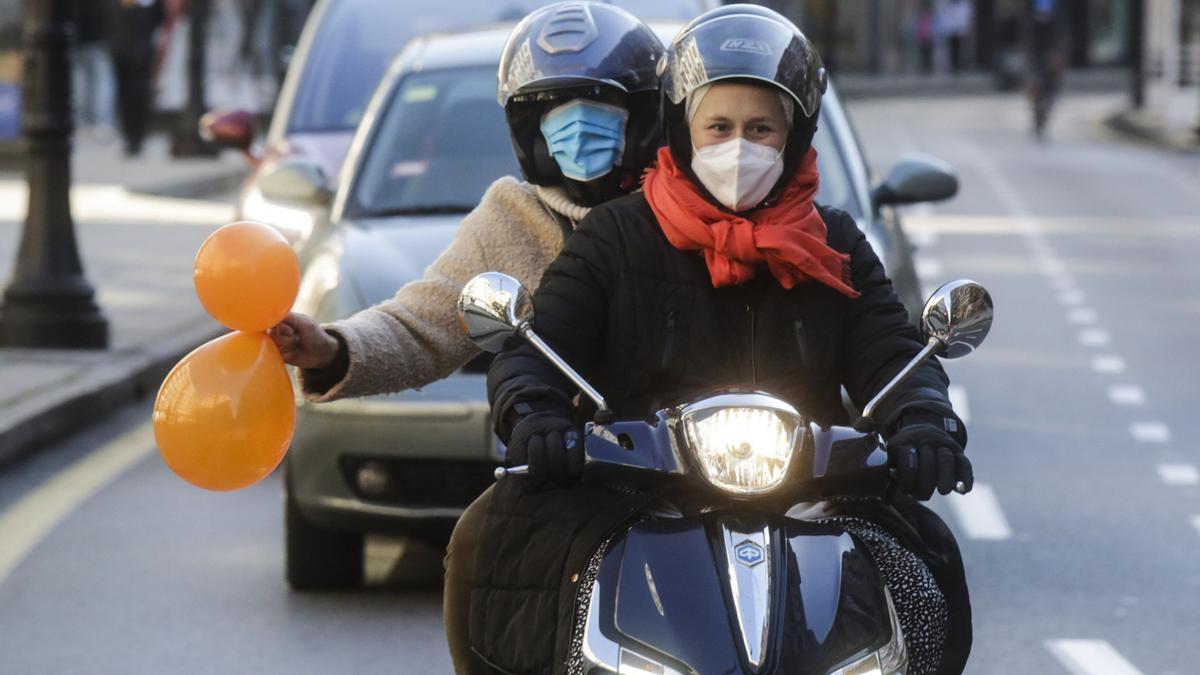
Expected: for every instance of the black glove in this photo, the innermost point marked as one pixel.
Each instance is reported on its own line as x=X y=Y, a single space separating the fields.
x=927 y=457
x=551 y=445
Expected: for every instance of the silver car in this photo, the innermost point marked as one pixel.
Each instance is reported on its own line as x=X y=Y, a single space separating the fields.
x=431 y=142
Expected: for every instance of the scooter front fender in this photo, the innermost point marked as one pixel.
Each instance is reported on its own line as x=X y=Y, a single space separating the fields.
x=721 y=593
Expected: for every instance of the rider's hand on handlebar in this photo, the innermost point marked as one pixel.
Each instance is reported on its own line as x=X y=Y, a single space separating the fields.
x=303 y=343
x=927 y=457
x=551 y=445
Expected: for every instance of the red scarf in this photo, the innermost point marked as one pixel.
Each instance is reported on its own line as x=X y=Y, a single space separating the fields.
x=789 y=235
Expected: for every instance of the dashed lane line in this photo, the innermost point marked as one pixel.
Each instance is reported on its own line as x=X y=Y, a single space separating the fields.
x=958 y=400
x=1126 y=394
x=1150 y=432
x=1094 y=337
x=1196 y=522
x=1090 y=657
x=978 y=513
x=1108 y=364
x=928 y=268
x=1072 y=298
x=1082 y=315
x=27 y=522
x=1179 y=474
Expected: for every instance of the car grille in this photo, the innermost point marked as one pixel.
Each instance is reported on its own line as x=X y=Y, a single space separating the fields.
x=418 y=483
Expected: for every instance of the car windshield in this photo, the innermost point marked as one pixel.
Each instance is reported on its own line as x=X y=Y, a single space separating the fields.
x=358 y=38
x=439 y=142
x=835 y=187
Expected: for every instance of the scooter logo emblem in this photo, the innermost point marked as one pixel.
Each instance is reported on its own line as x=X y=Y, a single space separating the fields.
x=749 y=553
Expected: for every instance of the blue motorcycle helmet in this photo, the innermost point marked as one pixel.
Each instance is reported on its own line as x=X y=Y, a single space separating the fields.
x=579 y=86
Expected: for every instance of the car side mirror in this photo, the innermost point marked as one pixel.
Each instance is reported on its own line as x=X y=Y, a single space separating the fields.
x=228 y=128
x=959 y=316
x=297 y=181
x=916 y=179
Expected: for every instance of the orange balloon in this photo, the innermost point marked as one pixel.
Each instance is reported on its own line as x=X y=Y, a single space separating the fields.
x=247 y=276
x=224 y=416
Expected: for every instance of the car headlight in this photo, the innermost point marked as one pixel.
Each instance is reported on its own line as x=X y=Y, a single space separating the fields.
x=891 y=659
x=744 y=443
x=294 y=222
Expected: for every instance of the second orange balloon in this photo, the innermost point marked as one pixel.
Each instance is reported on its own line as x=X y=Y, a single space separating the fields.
x=224 y=416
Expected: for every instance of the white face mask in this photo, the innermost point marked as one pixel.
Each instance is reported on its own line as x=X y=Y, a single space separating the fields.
x=737 y=172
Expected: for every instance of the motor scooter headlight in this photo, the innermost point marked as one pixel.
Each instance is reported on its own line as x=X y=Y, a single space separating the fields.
x=744 y=443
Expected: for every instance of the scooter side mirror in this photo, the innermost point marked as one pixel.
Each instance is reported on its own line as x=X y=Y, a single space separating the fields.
x=492 y=308
x=956 y=319
x=959 y=316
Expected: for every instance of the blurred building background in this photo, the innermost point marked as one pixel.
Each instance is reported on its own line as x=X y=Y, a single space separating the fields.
x=249 y=42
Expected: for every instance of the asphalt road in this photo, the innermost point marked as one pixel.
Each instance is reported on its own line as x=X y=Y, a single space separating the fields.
x=1080 y=539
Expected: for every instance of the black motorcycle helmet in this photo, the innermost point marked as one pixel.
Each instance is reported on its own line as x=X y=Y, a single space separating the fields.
x=573 y=50
x=742 y=42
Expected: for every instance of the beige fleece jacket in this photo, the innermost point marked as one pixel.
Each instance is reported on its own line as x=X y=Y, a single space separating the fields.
x=415 y=338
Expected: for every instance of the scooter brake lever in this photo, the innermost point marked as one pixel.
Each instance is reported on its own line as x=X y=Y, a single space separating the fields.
x=519 y=470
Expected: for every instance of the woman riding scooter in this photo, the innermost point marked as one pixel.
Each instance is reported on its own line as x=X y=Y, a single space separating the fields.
x=580 y=93
x=723 y=271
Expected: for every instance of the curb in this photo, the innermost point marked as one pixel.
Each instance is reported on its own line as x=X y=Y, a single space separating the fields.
x=1124 y=126
x=98 y=393
x=197 y=188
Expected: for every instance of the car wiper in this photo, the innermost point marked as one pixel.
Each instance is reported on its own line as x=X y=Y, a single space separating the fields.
x=427 y=210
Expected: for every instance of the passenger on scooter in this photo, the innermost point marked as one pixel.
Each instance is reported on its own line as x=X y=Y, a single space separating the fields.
x=582 y=110
x=722 y=271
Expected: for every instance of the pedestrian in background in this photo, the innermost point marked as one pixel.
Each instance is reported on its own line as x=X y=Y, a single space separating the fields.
x=954 y=23
x=91 y=71
x=923 y=27
x=132 y=25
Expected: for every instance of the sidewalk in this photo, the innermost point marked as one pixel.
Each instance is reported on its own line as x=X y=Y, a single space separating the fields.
x=970 y=83
x=1140 y=125
x=138 y=223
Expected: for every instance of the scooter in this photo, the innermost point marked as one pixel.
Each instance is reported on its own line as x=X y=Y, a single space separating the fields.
x=716 y=578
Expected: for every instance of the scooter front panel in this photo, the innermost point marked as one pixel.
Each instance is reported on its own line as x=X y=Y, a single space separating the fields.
x=723 y=594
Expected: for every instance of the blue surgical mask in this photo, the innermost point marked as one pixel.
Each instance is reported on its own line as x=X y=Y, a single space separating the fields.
x=585 y=137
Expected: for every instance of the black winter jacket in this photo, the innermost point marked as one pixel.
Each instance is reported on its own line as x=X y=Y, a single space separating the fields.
x=641 y=321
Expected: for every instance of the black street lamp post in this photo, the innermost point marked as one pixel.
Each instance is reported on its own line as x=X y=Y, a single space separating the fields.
x=49 y=302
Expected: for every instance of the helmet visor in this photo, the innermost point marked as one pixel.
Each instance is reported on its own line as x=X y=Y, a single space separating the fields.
x=576 y=44
x=745 y=46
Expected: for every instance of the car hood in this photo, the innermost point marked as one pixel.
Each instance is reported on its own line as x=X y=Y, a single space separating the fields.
x=381 y=255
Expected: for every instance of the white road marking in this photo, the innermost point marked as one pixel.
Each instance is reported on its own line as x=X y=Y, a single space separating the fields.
x=1108 y=364
x=922 y=237
x=1071 y=298
x=1126 y=394
x=1062 y=283
x=1090 y=657
x=27 y=522
x=958 y=400
x=1196 y=522
x=979 y=514
x=1093 y=337
x=1179 y=474
x=928 y=269
x=1150 y=432
x=1051 y=267
x=1082 y=315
